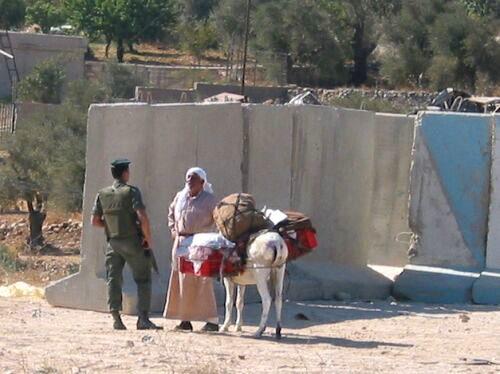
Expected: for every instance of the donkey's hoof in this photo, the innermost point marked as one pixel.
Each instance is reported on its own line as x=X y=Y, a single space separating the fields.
x=278 y=332
x=238 y=328
x=225 y=328
x=258 y=333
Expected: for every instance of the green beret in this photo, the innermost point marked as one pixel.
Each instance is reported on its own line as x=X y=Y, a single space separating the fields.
x=120 y=162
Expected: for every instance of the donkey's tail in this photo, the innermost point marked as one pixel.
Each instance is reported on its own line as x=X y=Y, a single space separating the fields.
x=281 y=252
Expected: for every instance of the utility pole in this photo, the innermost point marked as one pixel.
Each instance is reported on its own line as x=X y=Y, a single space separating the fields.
x=247 y=30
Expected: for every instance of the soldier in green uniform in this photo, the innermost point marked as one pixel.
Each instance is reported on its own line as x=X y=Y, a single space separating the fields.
x=120 y=211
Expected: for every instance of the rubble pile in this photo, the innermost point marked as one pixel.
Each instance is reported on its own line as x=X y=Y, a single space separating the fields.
x=9 y=230
x=414 y=99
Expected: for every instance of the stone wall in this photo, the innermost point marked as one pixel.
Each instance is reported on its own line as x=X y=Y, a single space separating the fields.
x=154 y=95
x=410 y=100
x=319 y=160
x=201 y=91
x=31 y=49
x=160 y=76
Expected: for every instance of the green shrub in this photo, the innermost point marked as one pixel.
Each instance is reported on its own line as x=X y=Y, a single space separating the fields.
x=121 y=81
x=9 y=260
x=44 y=84
x=357 y=101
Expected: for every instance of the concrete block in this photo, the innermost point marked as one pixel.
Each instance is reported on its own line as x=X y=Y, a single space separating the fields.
x=30 y=49
x=332 y=171
x=268 y=154
x=162 y=141
x=309 y=281
x=449 y=190
x=125 y=127
x=393 y=140
x=435 y=285
x=493 y=246
x=486 y=289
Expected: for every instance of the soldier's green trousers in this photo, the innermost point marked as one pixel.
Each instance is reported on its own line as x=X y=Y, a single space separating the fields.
x=130 y=251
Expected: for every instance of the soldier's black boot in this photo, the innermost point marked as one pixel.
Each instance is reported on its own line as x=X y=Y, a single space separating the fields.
x=184 y=326
x=143 y=323
x=118 y=323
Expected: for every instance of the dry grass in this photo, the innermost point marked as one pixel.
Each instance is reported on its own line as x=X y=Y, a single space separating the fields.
x=149 y=53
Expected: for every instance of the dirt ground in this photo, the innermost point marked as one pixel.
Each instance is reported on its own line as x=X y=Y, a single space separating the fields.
x=338 y=337
x=58 y=258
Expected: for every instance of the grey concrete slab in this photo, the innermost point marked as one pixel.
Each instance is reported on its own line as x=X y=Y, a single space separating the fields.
x=435 y=285
x=30 y=49
x=162 y=142
x=389 y=209
x=493 y=244
x=448 y=212
x=310 y=280
x=332 y=177
x=486 y=290
x=269 y=154
x=116 y=131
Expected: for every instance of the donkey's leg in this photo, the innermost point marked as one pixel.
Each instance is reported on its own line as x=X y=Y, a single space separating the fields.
x=230 y=287
x=278 y=277
x=240 y=303
x=261 y=276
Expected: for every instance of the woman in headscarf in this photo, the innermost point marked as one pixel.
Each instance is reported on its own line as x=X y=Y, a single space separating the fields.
x=189 y=297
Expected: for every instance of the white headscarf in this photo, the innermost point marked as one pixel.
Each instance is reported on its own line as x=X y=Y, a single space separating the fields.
x=184 y=194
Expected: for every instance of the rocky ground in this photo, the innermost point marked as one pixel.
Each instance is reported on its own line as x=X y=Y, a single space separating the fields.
x=319 y=337
x=58 y=257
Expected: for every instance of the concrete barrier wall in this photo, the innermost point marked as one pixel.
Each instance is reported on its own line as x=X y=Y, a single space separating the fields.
x=203 y=90
x=486 y=289
x=168 y=77
x=31 y=49
x=318 y=160
x=155 y=95
x=449 y=200
x=389 y=210
x=255 y=94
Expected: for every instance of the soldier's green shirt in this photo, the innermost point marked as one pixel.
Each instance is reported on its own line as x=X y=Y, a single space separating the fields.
x=137 y=202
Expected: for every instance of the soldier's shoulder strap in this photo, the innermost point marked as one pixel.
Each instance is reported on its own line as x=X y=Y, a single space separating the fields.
x=106 y=189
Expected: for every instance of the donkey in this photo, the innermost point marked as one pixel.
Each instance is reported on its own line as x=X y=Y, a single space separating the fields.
x=266 y=261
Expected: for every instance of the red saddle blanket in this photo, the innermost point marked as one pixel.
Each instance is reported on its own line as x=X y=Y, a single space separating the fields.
x=213 y=266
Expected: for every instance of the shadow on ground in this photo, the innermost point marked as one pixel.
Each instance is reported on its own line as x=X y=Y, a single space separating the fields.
x=290 y=338
x=299 y=315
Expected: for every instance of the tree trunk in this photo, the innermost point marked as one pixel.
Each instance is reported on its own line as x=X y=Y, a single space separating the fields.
x=361 y=54
x=119 y=50
x=36 y=218
x=108 y=44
